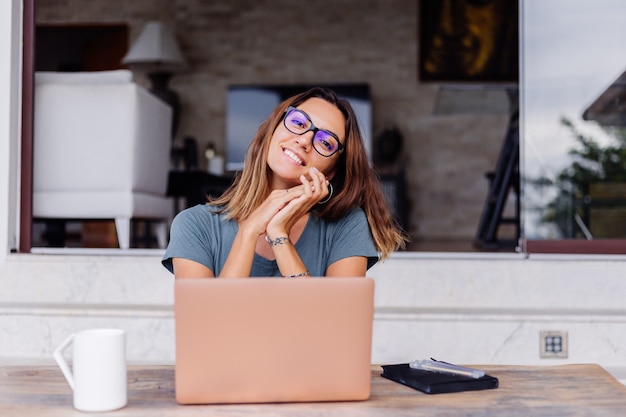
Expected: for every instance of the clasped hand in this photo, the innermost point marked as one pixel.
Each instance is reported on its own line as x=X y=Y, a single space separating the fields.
x=284 y=207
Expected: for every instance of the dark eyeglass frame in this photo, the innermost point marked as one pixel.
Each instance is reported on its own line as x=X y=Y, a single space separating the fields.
x=314 y=129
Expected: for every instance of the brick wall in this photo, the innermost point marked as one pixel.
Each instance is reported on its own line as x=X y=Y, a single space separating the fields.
x=323 y=41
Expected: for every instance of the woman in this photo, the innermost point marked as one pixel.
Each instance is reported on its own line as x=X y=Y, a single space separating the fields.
x=306 y=203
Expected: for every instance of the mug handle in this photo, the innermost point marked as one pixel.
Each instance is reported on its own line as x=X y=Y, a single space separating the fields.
x=58 y=356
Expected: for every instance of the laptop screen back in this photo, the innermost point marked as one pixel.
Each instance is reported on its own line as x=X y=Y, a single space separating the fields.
x=273 y=340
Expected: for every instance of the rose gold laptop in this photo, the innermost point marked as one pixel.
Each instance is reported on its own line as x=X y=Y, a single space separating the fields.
x=273 y=340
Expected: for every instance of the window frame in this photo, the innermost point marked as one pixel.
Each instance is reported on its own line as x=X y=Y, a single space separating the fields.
x=24 y=245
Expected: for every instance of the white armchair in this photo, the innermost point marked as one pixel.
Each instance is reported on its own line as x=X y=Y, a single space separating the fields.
x=101 y=151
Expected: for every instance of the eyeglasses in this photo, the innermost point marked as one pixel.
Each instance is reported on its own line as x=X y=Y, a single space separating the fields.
x=324 y=142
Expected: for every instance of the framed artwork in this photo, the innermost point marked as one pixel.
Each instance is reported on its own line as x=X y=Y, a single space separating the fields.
x=468 y=41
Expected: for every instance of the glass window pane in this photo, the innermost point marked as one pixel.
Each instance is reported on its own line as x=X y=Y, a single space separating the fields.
x=573 y=120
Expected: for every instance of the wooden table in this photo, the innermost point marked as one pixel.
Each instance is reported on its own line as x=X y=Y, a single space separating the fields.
x=568 y=390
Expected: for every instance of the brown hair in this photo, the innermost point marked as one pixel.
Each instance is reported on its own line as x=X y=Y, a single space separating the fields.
x=252 y=185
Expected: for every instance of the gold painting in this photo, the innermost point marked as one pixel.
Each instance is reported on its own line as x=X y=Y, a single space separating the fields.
x=468 y=40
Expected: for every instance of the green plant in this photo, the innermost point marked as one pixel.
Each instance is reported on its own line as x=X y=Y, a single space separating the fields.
x=592 y=163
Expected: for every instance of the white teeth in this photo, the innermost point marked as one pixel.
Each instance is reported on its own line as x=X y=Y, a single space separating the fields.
x=293 y=156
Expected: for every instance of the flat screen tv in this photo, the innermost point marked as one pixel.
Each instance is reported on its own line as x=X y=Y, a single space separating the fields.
x=247 y=106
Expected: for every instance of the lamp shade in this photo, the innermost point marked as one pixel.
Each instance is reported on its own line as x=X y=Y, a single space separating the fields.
x=155 y=49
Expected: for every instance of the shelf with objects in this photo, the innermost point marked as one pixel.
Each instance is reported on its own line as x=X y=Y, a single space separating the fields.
x=187 y=183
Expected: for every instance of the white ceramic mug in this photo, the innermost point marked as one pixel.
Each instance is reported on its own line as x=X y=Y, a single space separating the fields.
x=98 y=375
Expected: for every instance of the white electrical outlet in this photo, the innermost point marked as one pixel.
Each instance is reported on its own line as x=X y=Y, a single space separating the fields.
x=553 y=344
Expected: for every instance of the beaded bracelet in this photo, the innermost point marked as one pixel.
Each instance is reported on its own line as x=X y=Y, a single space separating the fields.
x=301 y=274
x=278 y=241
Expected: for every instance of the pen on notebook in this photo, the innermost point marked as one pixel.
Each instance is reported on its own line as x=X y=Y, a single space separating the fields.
x=446 y=368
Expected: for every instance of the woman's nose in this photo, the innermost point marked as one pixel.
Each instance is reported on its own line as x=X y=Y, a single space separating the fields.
x=305 y=141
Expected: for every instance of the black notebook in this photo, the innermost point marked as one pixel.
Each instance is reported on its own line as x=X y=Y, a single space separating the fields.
x=435 y=382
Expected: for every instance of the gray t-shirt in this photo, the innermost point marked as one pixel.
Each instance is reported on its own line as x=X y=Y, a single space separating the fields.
x=201 y=235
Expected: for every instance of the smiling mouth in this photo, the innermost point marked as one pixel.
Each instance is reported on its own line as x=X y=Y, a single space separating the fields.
x=293 y=156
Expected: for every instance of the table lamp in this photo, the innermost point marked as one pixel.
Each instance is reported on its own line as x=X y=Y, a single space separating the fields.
x=156 y=53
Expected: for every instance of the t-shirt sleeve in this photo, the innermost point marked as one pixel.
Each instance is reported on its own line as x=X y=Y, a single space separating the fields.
x=353 y=237
x=190 y=238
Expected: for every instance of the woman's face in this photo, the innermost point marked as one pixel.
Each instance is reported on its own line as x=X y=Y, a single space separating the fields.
x=291 y=155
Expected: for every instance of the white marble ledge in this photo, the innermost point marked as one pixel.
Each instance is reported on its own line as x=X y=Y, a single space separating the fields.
x=406 y=279
x=584 y=285
x=70 y=253
x=97 y=252
x=418 y=313
x=86 y=310
x=504 y=256
x=86 y=279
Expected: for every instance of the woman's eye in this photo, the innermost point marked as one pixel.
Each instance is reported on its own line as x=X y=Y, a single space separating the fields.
x=298 y=122
x=326 y=144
